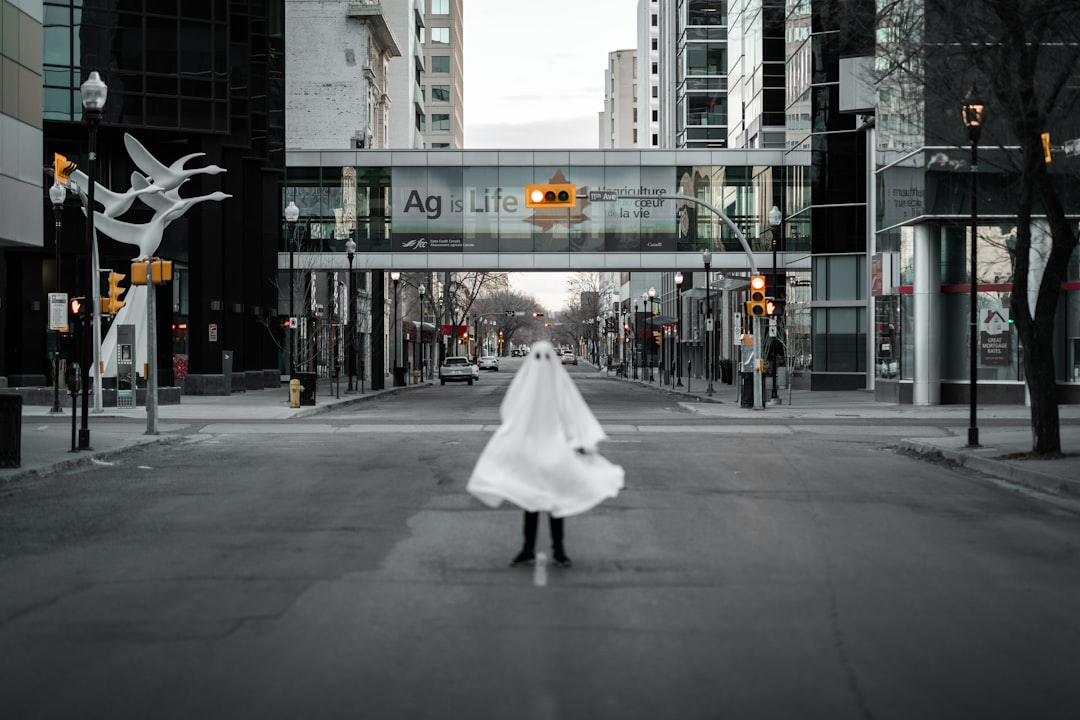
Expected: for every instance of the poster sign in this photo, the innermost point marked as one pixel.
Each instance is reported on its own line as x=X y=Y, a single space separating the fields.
x=995 y=337
x=58 y=313
x=482 y=209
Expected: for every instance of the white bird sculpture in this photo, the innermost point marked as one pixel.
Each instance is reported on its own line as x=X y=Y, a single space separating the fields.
x=115 y=204
x=166 y=177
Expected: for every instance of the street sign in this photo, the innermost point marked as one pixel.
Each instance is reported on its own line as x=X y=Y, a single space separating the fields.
x=58 y=314
x=603 y=196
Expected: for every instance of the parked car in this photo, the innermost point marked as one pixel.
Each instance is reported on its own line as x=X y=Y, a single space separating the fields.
x=569 y=358
x=489 y=362
x=456 y=369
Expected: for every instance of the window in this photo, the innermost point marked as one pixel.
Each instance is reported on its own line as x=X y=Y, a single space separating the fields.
x=440 y=93
x=439 y=146
x=440 y=35
x=440 y=7
x=440 y=121
x=440 y=63
x=655 y=68
x=655 y=44
x=654 y=23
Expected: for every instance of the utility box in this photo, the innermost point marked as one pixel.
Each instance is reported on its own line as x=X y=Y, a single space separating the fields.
x=307 y=382
x=10 y=430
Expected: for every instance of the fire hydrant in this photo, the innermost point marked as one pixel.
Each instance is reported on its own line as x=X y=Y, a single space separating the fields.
x=295 y=388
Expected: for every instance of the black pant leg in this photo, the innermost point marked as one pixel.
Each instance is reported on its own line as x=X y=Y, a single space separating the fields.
x=531 y=522
x=556 y=526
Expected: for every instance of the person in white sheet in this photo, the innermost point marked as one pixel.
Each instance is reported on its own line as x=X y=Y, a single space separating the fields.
x=544 y=455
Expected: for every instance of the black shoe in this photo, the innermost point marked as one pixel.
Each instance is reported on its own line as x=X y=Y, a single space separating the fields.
x=525 y=557
x=559 y=559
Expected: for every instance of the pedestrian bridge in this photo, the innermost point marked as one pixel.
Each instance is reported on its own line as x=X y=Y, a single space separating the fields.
x=448 y=210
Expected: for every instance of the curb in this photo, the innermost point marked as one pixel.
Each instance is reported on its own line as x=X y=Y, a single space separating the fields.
x=87 y=458
x=1025 y=477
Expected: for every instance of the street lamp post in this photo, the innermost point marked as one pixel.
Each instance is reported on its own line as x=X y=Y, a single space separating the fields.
x=776 y=219
x=57 y=194
x=678 y=327
x=292 y=214
x=350 y=310
x=706 y=257
x=972 y=112
x=420 y=330
x=94 y=92
x=633 y=345
x=395 y=276
x=649 y=296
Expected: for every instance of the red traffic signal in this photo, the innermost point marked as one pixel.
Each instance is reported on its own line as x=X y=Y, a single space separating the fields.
x=756 y=306
x=75 y=306
x=551 y=195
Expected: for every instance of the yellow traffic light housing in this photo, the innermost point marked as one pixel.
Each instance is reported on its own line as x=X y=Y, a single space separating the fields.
x=1047 y=154
x=757 y=305
x=551 y=195
x=160 y=271
x=657 y=337
x=112 y=304
x=62 y=167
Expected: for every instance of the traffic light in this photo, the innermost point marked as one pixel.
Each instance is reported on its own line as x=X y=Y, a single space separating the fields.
x=657 y=337
x=62 y=167
x=1047 y=155
x=76 y=306
x=160 y=271
x=756 y=306
x=551 y=195
x=537 y=313
x=112 y=304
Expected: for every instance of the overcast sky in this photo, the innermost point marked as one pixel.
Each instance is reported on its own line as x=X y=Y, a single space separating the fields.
x=534 y=78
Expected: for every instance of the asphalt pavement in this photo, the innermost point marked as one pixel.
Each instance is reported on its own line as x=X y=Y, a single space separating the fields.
x=47 y=438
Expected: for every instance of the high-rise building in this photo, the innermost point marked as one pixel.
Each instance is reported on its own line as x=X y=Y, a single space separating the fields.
x=204 y=78
x=755 y=52
x=655 y=59
x=404 y=92
x=619 y=119
x=20 y=124
x=443 y=84
x=337 y=88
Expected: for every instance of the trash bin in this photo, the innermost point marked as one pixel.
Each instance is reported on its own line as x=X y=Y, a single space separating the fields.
x=746 y=389
x=10 y=430
x=308 y=381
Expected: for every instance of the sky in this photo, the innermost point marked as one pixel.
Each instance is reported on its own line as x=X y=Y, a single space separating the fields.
x=534 y=78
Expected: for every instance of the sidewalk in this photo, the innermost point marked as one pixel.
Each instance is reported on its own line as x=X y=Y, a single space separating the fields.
x=999 y=443
x=46 y=438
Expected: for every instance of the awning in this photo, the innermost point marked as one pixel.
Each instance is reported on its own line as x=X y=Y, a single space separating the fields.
x=660 y=320
x=726 y=283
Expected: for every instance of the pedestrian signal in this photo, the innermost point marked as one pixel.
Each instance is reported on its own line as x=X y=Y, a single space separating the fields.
x=756 y=305
x=75 y=310
x=551 y=195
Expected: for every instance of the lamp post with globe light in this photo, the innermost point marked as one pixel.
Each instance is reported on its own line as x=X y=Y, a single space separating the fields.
x=94 y=92
x=350 y=309
x=706 y=257
x=973 y=114
x=678 y=328
x=57 y=194
x=292 y=214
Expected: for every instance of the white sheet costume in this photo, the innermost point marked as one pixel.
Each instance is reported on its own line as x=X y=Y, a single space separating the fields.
x=543 y=456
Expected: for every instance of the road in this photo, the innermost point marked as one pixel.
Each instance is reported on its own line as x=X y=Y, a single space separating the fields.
x=335 y=567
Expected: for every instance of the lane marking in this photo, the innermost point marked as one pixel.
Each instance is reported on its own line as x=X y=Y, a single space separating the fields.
x=540 y=570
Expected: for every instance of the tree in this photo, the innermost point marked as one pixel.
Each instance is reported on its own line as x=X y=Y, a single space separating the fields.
x=496 y=302
x=1022 y=56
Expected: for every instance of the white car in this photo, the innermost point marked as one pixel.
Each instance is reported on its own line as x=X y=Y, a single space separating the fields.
x=569 y=358
x=458 y=368
x=489 y=362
